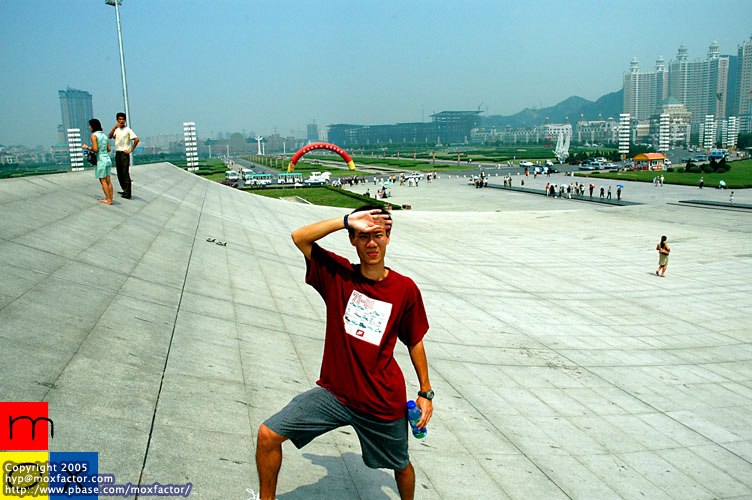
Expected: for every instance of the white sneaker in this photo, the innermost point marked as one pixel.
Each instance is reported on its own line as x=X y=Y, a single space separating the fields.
x=254 y=496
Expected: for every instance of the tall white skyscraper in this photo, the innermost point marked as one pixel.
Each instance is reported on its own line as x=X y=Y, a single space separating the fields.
x=743 y=86
x=645 y=91
x=700 y=84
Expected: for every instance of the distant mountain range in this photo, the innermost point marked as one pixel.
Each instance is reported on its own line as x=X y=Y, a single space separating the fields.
x=570 y=109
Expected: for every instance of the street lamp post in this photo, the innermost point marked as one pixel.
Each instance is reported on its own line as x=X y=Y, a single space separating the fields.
x=117 y=4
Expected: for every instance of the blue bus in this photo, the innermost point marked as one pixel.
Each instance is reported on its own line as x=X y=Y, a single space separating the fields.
x=717 y=154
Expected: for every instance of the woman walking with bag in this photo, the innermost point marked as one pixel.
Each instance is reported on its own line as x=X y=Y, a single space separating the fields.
x=101 y=147
x=663 y=251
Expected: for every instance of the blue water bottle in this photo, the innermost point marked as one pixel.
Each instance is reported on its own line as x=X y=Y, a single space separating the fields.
x=413 y=416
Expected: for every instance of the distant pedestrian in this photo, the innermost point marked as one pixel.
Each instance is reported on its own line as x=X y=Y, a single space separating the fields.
x=702 y=182
x=101 y=146
x=126 y=141
x=663 y=251
x=608 y=196
x=731 y=198
x=547 y=189
x=618 y=193
x=603 y=192
x=661 y=180
x=591 y=190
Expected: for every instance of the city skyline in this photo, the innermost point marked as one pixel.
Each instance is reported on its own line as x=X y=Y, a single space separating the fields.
x=236 y=65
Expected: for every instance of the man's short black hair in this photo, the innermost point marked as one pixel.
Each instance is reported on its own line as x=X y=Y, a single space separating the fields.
x=366 y=208
x=119 y=115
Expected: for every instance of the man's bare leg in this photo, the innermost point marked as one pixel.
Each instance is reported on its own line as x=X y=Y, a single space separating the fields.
x=268 y=461
x=406 y=482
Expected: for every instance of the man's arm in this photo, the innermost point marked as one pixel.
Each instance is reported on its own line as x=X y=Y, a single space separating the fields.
x=135 y=143
x=420 y=363
x=112 y=132
x=305 y=236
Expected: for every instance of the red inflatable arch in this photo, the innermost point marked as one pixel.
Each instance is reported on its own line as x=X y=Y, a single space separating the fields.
x=320 y=145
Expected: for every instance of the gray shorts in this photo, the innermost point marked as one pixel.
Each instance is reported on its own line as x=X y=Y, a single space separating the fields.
x=315 y=412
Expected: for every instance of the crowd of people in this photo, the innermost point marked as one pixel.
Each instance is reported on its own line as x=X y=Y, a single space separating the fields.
x=578 y=190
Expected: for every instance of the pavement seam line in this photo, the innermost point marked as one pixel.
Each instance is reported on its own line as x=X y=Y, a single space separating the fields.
x=169 y=345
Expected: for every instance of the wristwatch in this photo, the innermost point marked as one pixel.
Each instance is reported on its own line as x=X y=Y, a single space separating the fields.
x=428 y=395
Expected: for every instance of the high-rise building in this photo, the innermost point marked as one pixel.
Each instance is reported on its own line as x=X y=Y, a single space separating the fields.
x=76 y=110
x=743 y=86
x=645 y=91
x=312 y=132
x=700 y=84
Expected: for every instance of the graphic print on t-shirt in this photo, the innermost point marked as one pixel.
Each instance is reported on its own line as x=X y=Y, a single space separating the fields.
x=366 y=318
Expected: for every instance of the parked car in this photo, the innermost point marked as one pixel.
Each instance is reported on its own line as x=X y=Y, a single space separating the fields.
x=588 y=166
x=526 y=164
x=318 y=178
x=229 y=183
x=610 y=166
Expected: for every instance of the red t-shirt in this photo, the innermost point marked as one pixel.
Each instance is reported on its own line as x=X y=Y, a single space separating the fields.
x=364 y=318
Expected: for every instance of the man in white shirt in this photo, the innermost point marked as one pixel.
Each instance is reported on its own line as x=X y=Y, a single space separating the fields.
x=123 y=136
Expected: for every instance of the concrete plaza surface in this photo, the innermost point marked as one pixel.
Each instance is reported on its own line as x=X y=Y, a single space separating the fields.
x=563 y=367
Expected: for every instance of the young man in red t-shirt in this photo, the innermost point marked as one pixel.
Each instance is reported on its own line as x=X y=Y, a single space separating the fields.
x=368 y=307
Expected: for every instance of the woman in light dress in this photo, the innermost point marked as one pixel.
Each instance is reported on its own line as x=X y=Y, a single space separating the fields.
x=101 y=146
x=663 y=251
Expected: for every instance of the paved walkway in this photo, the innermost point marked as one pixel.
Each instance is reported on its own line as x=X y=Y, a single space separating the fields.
x=563 y=367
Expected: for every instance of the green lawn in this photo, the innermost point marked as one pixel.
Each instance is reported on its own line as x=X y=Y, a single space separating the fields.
x=321 y=195
x=739 y=177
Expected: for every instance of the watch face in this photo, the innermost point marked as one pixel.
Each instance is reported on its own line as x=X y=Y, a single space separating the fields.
x=428 y=395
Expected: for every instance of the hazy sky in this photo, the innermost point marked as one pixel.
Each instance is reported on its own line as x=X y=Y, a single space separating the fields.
x=231 y=65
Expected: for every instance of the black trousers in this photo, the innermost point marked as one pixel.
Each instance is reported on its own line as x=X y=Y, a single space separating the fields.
x=123 y=165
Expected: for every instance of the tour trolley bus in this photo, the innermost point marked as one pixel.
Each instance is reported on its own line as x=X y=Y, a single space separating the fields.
x=258 y=180
x=291 y=178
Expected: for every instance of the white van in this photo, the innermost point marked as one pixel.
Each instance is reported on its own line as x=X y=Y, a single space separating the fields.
x=232 y=175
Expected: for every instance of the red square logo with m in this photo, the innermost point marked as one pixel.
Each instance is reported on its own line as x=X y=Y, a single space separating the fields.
x=24 y=426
